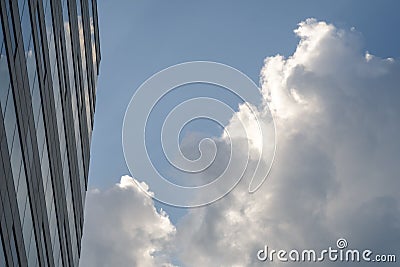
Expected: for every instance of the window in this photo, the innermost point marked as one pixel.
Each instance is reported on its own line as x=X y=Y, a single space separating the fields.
x=2 y=253
x=16 y=159
x=1 y=36
x=22 y=193
x=32 y=256
x=14 y=249
x=25 y=23
x=46 y=261
x=11 y=25
x=4 y=76
x=27 y=226
x=10 y=120
x=40 y=48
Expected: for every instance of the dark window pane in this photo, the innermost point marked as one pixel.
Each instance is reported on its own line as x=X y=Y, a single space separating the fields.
x=14 y=249
x=40 y=39
x=10 y=24
x=2 y=253
x=4 y=78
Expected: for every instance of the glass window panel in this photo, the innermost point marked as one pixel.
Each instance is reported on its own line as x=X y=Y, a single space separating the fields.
x=92 y=37
x=54 y=235
x=40 y=49
x=41 y=150
x=10 y=133
x=4 y=78
x=84 y=70
x=40 y=131
x=1 y=35
x=2 y=254
x=10 y=25
x=53 y=226
x=49 y=192
x=21 y=6
x=59 y=258
x=45 y=162
x=46 y=5
x=14 y=249
x=27 y=226
x=52 y=51
x=9 y=106
x=36 y=101
x=25 y=23
x=32 y=258
x=4 y=92
x=31 y=65
x=22 y=193
x=10 y=120
x=29 y=150
x=45 y=180
x=44 y=247
x=16 y=159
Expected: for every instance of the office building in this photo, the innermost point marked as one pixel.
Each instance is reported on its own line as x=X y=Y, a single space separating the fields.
x=49 y=62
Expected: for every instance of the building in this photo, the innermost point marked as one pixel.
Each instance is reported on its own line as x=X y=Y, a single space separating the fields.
x=49 y=64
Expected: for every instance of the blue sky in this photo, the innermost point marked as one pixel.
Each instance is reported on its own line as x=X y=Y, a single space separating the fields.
x=140 y=38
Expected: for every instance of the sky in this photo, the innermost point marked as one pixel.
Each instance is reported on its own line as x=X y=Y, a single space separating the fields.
x=328 y=83
x=140 y=38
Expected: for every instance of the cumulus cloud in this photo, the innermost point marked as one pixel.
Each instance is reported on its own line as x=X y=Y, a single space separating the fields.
x=123 y=228
x=336 y=168
x=335 y=174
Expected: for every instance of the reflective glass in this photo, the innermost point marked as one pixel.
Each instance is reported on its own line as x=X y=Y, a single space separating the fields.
x=10 y=121
x=25 y=23
x=27 y=227
x=10 y=25
x=2 y=255
x=44 y=247
x=22 y=193
x=40 y=49
x=14 y=250
x=1 y=35
x=32 y=256
x=16 y=159
x=84 y=70
x=31 y=65
x=4 y=78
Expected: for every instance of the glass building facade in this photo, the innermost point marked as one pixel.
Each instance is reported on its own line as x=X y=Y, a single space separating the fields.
x=49 y=62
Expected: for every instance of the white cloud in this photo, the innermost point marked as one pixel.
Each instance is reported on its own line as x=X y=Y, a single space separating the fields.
x=335 y=174
x=336 y=171
x=122 y=228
